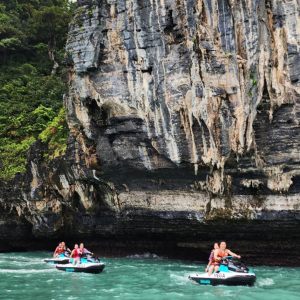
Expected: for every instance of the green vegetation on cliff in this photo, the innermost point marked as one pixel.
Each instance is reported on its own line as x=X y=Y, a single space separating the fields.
x=33 y=34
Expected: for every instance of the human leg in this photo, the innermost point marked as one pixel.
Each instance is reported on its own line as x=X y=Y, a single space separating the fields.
x=211 y=270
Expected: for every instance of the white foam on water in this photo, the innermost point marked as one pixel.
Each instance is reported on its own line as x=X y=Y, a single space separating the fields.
x=145 y=255
x=192 y=267
x=181 y=280
x=177 y=294
x=266 y=281
x=23 y=263
x=108 y=291
x=128 y=266
x=24 y=271
x=227 y=293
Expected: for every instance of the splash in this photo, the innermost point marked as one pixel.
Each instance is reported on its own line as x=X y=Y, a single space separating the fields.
x=266 y=281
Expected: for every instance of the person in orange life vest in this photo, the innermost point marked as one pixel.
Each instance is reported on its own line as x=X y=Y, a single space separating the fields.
x=222 y=252
x=57 y=251
x=76 y=255
x=211 y=265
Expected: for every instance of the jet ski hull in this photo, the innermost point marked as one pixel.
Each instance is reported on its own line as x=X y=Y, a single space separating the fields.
x=233 y=272
x=83 y=268
x=57 y=261
x=245 y=280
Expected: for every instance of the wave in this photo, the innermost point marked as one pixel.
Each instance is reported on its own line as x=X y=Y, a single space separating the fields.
x=146 y=255
x=266 y=281
x=181 y=279
x=24 y=271
x=22 y=263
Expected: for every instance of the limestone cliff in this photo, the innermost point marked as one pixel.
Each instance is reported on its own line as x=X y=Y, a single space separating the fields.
x=184 y=128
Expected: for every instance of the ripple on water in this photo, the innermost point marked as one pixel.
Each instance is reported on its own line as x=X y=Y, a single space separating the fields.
x=142 y=277
x=146 y=255
x=25 y=271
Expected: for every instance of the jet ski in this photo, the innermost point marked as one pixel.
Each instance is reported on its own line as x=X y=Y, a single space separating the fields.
x=231 y=272
x=88 y=264
x=62 y=259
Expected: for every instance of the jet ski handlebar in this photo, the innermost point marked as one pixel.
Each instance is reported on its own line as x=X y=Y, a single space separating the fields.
x=226 y=257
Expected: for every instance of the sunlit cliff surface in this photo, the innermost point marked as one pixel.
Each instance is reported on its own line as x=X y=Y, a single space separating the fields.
x=184 y=129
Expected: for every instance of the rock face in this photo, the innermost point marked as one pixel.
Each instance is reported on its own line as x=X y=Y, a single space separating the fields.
x=184 y=129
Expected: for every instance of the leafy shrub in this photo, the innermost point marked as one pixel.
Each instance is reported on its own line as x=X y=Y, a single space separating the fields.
x=13 y=156
x=30 y=99
x=55 y=134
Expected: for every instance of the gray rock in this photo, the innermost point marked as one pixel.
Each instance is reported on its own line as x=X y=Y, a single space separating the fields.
x=184 y=118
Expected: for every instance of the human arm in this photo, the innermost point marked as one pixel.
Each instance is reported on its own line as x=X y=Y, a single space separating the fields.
x=54 y=254
x=206 y=269
x=210 y=260
x=71 y=255
x=216 y=255
x=233 y=254
x=87 y=251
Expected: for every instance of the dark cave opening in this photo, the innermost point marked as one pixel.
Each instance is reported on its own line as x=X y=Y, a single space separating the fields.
x=76 y=203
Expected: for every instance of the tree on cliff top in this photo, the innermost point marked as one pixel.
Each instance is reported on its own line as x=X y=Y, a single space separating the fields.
x=48 y=25
x=33 y=34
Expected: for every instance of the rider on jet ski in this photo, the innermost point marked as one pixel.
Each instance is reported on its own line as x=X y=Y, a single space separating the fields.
x=61 y=248
x=220 y=253
x=84 y=250
x=76 y=255
x=64 y=247
x=211 y=265
x=58 y=250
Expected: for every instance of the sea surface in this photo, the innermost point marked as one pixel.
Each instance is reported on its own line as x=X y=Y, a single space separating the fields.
x=25 y=276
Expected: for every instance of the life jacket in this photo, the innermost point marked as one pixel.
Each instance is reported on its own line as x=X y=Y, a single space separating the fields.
x=58 y=250
x=74 y=254
x=77 y=253
x=221 y=254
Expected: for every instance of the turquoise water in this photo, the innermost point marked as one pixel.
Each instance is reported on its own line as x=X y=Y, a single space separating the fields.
x=26 y=276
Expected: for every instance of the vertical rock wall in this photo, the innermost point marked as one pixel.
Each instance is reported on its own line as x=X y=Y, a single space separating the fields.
x=162 y=85
x=182 y=113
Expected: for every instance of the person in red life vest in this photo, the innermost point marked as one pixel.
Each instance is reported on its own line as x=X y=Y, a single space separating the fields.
x=84 y=250
x=76 y=255
x=57 y=251
x=211 y=265
x=222 y=252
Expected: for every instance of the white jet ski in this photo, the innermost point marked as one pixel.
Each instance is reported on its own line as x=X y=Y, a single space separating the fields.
x=232 y=272
x=88 y=264
x=62 y=259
